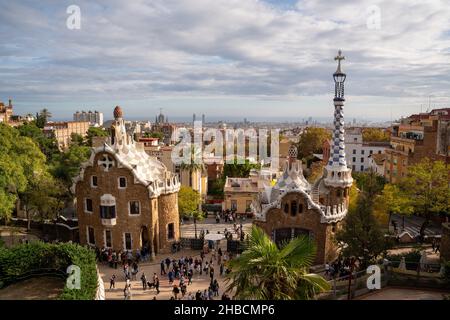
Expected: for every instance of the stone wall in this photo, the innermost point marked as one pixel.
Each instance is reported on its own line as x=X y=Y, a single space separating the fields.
x=309 y=219
x=168 y=213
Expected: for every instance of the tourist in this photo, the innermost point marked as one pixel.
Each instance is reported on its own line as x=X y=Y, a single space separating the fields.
x=216 y=287
x=112 y=282
x=198 y=295
x=127 y=292
x=156 y=283
x=211 y=273
x=144 y=281
x=170 y=276
x=175 y=291
x=163 y=270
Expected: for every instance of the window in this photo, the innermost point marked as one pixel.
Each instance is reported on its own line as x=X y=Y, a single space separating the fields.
x=286 y=208
x=355 y=139
x=134 y=207
x=127 y=240
x=362 y=159
x=108 y=239
x=248 y=204
x=233 y=205
x=353 y=167
x=293 y=208
x=362 y=168
x=90 y=235
x=94 y=182
x=170 y=231
x=354 y=151
x=88 y=205
x=122 y=182
x=379 y=151
x=108 y=212
x=354 y=159
x=300 y=208
x=371 y=151
x=362 y=151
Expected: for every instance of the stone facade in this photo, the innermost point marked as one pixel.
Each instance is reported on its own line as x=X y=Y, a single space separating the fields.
x=126 y=199
x=294 y=207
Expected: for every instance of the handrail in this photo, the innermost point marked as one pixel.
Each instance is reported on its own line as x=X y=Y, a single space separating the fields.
x=8 y=280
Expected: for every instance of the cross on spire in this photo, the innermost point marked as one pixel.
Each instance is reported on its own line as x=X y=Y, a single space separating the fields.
x=339 y=57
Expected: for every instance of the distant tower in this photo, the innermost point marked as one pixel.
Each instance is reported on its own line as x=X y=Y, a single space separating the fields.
x=193 y=117
x=203 y=118
x=337 y=175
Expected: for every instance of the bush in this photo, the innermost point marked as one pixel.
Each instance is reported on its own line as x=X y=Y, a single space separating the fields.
x=23 y=258
x=412 y=259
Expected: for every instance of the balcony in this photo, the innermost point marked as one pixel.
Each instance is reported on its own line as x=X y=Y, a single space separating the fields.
x=109 y=222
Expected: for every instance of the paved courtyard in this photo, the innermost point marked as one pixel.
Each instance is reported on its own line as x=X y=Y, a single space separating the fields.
x=199 y=282
x=392 y=293
x=188 y=228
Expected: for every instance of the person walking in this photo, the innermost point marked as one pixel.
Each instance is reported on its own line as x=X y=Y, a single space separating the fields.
x=112 y=282
x=163 y=269
x=175 y=291
x=127 y=292
x=144 y=281
x=156 y=283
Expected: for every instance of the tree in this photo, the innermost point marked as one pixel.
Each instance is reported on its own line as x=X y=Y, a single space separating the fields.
x=77 y=139
x=42 y=117
x=20 y=159
x=66 y=165
x=95 y=132
x=394 y=201
x=361 y=235
x=427 y=186
x=154 y=134
x=375 y=135
x=311 y=141
x=188 y=201
x=239 y=170
x=266 y=272
x=369 y=179
x=48 y=146
x=42 y=197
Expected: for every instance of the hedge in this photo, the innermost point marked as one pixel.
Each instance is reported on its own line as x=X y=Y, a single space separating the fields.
x=24 y=258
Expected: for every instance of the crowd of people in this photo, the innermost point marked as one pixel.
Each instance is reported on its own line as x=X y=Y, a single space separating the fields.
x=178 y=272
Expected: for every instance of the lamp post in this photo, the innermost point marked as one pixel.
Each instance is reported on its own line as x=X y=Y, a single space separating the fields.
x=352 y=265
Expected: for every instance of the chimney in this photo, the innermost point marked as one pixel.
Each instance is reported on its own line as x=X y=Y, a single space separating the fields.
x=10 y=103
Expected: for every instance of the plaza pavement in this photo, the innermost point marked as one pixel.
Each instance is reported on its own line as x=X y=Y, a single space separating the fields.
x=199 y=282
x=187 y=228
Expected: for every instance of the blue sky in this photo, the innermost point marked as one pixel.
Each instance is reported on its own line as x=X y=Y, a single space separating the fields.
x=225 y=58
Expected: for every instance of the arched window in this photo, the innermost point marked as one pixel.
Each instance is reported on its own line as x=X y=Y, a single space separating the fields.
x=286 y=208
x=293 y=208
x=300 y=208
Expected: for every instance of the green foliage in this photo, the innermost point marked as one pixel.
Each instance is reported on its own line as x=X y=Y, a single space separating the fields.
x=77 y=139
x=95 y=132
x=48 y=146
x=20 y=160
x=311 y=141
x=266 y=272
x=369 y=179
x=239 y=170
x=361 y=235
x=154 y=134
x=375 y=135
x=412 y=258
x=395 y=201
x=43 y=117
x=24 y=258
x=426 y=185
x=66 y=165
x=188 y=202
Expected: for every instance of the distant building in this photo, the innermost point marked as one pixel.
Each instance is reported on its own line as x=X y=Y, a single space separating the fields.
x=94 y=118
x=358 y=152
x=62 y=131
x=416 y=137
x=126 y=200
x=377 y=162
x=6 y=111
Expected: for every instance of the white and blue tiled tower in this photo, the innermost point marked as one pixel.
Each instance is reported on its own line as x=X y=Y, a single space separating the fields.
x=337 y=172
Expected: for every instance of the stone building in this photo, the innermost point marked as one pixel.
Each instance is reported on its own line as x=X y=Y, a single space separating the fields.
x=126 y=199
x=293 y=207
x=6 y=111
x=416 y=137
x=62 y=131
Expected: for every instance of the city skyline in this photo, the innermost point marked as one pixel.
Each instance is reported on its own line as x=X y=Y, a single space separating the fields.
x=235 y=59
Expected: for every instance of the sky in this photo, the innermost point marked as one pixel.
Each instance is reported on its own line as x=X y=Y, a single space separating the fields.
x=226 y=59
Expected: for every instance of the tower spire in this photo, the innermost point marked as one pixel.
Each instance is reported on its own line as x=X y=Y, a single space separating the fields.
x=337 y=172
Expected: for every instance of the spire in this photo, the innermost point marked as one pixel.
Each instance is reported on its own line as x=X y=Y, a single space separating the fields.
x=337 y=172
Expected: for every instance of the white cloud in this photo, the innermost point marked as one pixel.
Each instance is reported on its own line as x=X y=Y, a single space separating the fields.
x=228 y=48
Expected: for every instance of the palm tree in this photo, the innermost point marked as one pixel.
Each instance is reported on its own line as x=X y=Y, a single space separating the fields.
x=266 y=272
x=193 y=165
